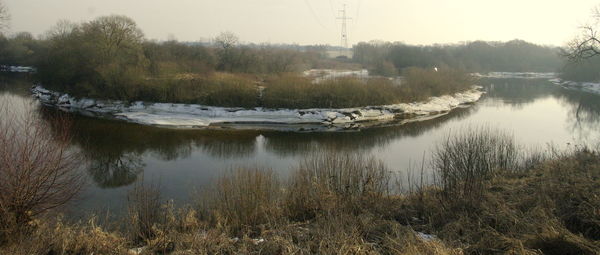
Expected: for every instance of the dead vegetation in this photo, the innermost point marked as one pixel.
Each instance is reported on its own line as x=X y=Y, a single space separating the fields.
x=333 y=203
x=38 y=169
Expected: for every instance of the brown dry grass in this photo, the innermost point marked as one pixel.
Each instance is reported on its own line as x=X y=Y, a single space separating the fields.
x=339 y=204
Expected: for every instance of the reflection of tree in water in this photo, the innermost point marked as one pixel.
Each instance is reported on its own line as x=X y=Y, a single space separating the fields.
x=518 y=92
x=114 y=148
x=287 y=144
x=584 y=108
x=115 y=172
x=584 y=112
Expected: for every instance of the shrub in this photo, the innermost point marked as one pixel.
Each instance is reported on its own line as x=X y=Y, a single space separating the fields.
x=243 y=200
x=38 y=169
x=327 y=183
x=465 y=160
x=145 y=211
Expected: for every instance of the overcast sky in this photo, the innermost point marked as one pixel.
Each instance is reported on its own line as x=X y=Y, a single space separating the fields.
x=550 y=22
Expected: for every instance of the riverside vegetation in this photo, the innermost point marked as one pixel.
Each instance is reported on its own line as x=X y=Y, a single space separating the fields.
x=109 y=58
x=487 y=196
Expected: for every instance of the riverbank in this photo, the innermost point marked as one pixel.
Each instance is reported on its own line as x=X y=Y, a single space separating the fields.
x=591 y=87
x=201 y=116
x=341 y=204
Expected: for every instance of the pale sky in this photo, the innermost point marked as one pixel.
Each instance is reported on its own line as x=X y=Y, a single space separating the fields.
x=550 y=22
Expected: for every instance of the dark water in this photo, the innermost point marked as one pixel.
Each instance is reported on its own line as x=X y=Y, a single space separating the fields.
x=183 y=161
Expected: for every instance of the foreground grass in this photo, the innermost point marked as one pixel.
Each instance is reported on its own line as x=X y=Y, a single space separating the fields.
x=342 y=204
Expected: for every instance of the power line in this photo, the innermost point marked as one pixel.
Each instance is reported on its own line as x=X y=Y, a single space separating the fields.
x=331 y=7
x=315 y=17
x=357 y=11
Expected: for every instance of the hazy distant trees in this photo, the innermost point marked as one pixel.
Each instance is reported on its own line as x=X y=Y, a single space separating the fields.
x=4 y=17
x=478 y=56
x=19 y=49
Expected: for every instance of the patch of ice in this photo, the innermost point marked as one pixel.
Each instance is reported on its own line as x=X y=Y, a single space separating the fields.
x=192 y=115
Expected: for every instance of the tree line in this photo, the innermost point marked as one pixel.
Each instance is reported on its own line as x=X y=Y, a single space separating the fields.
x=388 y=58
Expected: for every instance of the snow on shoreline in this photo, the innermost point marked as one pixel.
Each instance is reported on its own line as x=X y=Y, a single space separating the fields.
x=517 y=75
x=591 y=87
x=200 y=116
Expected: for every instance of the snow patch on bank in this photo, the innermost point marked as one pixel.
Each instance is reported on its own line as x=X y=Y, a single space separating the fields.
x=201 y=116
x=516 y=75
x=592 y=87
x=320 y=75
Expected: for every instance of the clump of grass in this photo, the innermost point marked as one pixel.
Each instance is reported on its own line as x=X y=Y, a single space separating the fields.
x=421 y=83
x=329 y=183
x=291 y=91
x=465 y=161
x=243 y=200
x=217 y=89
x=58 y=237
x=145 y=212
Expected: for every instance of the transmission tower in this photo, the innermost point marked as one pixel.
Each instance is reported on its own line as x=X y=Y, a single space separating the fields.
x=344 y=18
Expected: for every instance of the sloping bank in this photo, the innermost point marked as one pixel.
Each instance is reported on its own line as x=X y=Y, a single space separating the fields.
x=201 y=116
x=590 y=87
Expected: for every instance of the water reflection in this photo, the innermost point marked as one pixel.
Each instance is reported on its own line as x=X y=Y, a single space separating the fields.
x=119 y=153
x=517 y=93
x=288 y=144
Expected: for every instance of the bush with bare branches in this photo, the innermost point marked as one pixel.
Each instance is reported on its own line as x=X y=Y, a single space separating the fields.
x=38 y=169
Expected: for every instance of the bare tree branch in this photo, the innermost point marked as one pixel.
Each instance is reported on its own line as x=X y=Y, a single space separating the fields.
x=587 y=44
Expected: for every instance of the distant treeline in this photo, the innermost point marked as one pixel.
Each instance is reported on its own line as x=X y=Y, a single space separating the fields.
x=514 y=56
x=109 y=57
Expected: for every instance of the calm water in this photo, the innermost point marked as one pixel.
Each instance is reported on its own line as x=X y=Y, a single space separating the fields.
x=181 y=161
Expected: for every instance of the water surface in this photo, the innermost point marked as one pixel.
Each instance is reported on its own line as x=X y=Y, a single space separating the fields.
x=122 y=154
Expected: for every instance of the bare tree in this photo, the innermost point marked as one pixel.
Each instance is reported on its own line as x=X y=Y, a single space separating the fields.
x=38 y=168
x=226 y=40
x=226 y=43
x=587 y=44
x=4 y=17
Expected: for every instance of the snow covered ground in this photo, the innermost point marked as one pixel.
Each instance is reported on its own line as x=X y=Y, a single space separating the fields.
x=320 y=75
x=518 y=75
x=201 y=116
x=592 y=87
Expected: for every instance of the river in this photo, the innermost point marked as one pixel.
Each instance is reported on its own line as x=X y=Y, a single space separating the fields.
x=182 y=162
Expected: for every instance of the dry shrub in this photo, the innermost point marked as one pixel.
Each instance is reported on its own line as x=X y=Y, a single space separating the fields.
x=465 y=161
x=146 y=213
x=217 y=89
x=571 y=184
x=38 y=169
x=293 y=91
x=330 y=182
x=422 y=83
x=243 y=200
